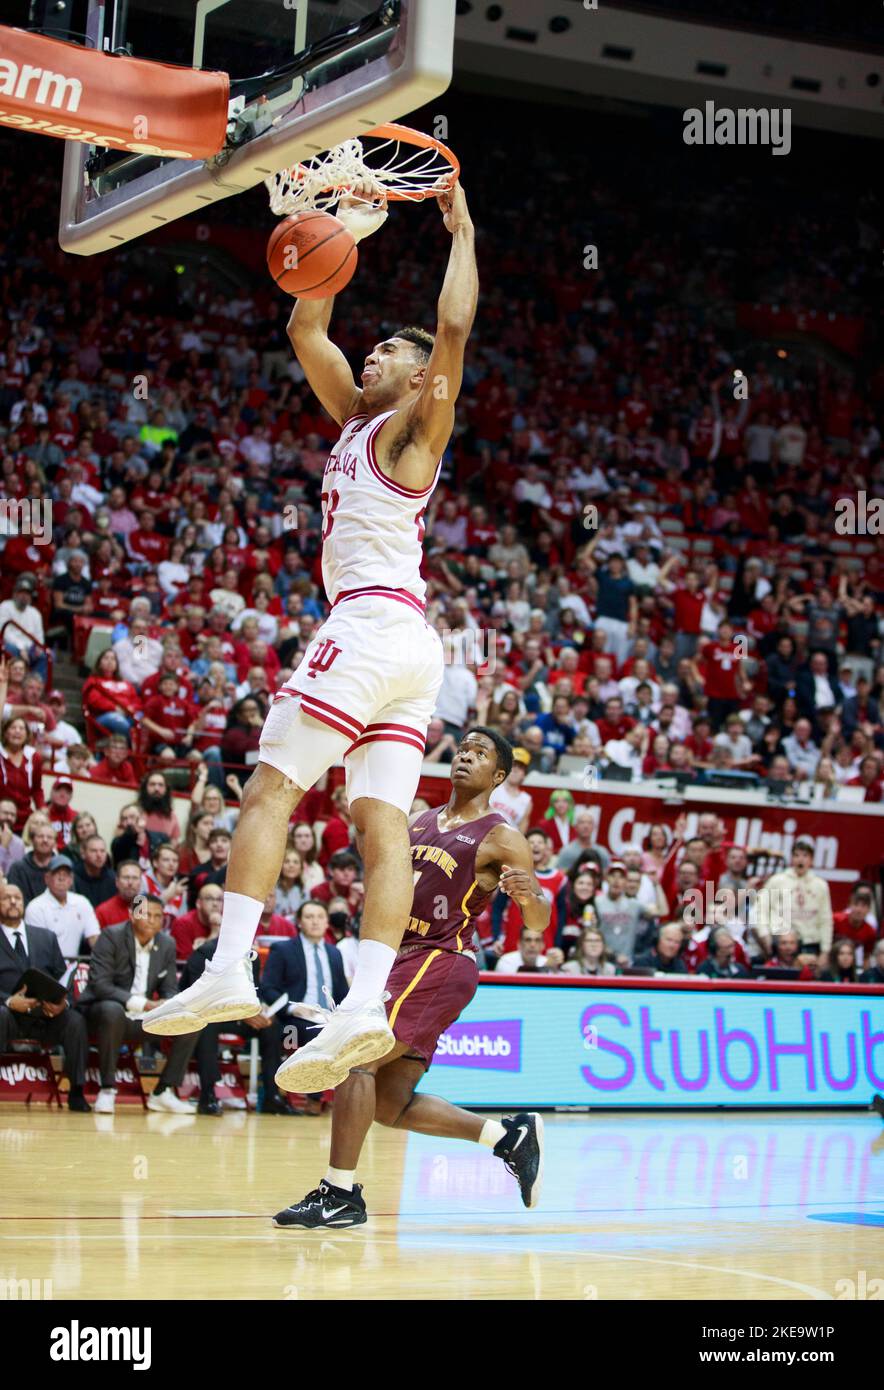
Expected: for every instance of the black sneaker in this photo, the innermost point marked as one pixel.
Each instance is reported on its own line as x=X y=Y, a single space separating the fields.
x=326 y=1206
x=878 y=1105
x=277 y=1106
x=521 y=1149
x=211 y=1106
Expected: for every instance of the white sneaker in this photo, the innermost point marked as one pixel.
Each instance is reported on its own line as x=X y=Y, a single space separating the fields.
x=168 y=1101
x=349 y=1037
x=213 y=999
x=105 y=1101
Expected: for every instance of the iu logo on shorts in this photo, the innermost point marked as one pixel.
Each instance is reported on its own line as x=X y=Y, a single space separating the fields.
x=323 y=657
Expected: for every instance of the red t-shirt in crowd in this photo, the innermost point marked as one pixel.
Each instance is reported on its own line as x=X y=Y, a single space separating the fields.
x=608 y=730
x=335 y=836
x=187 y=929
x=720 y=665
x=23 y=785
x=104 y=696
x=688 y=610
x=214 y=723
x=324 y=892
x=277 y=925
x=61 y=818
x=113 y=912
x=173 y=714
x=863 y=935
x=578 y=679
x=700 y=747
x=123 y=776
x=873 y=792
x=151 y=686
x=148 y=545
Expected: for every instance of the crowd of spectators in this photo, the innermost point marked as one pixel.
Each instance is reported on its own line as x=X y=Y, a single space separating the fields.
x=685 y=905
x=632 y=557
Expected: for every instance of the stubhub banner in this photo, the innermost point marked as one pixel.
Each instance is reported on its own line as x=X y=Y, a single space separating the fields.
x=618 y=1045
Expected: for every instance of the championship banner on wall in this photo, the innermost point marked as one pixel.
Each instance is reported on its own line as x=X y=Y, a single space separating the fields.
x=657 y=1043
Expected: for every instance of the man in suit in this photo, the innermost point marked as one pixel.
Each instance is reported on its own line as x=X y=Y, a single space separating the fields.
x=301 y=968
x=132 y=964
x=816 y=686
x=23 y=948
x=258 y=1026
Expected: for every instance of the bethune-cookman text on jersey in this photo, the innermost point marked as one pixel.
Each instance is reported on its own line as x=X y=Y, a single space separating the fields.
x=372 y=526
x=447 y=897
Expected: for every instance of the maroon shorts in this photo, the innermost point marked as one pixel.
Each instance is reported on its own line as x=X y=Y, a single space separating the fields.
x=429 y=989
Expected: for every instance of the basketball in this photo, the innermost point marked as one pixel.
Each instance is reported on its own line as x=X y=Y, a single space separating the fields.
x=312 y=255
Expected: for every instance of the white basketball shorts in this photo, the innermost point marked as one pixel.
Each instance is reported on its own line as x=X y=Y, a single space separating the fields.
x=364 y=692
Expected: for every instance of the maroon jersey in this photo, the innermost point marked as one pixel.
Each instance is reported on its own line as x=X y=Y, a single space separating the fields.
x=447 y=897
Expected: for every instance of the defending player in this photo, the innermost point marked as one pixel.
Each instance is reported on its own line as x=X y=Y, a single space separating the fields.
x=461 y=853
x=367 y=686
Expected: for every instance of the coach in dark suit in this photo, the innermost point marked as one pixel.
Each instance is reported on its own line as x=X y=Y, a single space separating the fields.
x=132 y=967
x=206 y=1053
x=23 y=948
x=302 y=967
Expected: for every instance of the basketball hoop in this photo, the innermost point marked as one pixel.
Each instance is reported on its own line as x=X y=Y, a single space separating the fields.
x=410 y=165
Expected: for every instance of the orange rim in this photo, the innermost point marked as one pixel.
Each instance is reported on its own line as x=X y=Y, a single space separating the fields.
x=405 y=135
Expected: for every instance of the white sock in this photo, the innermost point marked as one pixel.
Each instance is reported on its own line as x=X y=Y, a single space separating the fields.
x=373 y=966
x=492 y=1133
x=239 y=922
x=340 y=1177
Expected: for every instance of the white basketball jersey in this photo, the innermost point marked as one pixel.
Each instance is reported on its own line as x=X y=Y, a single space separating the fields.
x=372 y=526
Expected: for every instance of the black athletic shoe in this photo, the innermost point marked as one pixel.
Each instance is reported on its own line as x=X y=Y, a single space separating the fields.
x=325 y=1207
x=79 y=1103
x=878 y=1105
x=210 y=1107
x=277 y=1106
x=521 y=1149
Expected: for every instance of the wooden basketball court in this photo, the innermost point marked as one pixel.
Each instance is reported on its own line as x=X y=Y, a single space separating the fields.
x=635 y=1206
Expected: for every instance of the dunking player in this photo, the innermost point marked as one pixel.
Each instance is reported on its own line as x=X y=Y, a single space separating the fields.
x=367 y=686
x=461 y=853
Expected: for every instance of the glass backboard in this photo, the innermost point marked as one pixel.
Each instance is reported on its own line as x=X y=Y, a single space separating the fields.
x=304 y=75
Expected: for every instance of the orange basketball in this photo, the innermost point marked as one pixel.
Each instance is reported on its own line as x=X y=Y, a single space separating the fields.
x=311 y=255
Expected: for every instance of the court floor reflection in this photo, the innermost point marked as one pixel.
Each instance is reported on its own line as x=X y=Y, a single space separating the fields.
x=635 y=1206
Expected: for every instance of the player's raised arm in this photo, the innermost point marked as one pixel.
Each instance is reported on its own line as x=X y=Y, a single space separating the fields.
x=432 y=414
x=325 y=366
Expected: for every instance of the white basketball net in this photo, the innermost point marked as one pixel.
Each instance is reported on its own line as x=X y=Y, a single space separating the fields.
x=407 y=171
